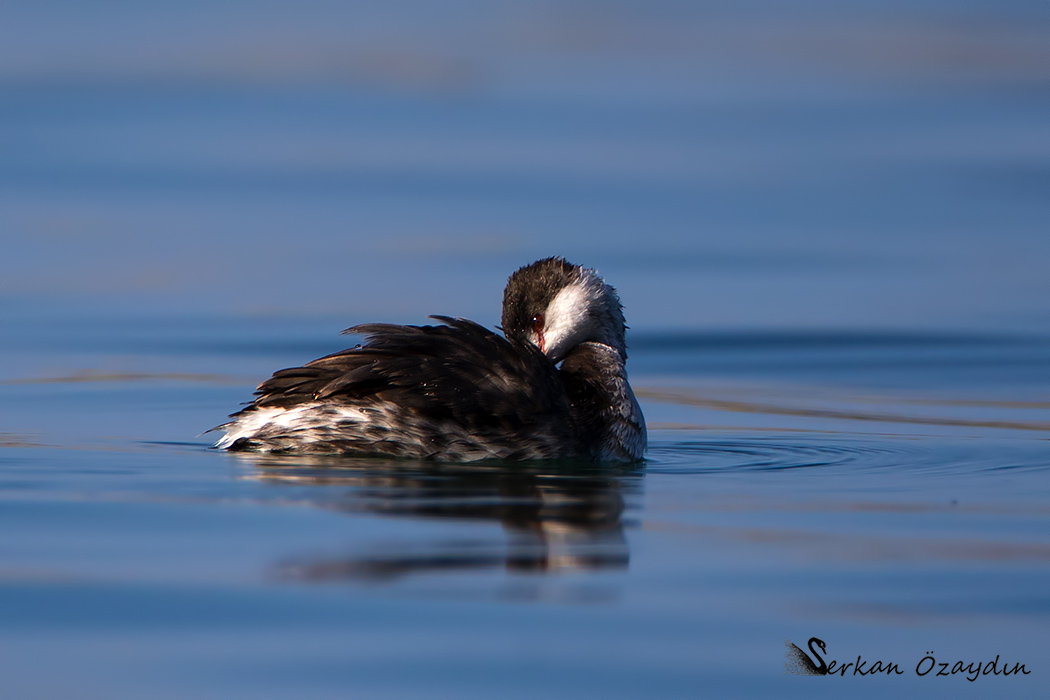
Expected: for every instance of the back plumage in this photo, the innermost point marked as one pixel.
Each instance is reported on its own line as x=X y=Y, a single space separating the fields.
x=456 y=391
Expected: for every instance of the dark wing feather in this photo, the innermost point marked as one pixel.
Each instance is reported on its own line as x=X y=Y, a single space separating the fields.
x=459 y=372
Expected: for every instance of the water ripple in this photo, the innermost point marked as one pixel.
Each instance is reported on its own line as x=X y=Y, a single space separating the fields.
x=761 y=454
x=914 y=455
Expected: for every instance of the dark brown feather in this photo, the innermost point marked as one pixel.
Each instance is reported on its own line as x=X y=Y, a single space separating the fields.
x=459 y=373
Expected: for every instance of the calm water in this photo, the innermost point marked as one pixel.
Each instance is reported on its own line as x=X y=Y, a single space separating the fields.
x=890 y=495
x=829 y=227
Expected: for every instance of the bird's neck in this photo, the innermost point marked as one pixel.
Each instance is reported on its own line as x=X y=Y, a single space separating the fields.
x=595 y=376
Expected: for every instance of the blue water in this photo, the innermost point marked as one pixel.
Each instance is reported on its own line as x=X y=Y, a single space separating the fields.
x=900 y=514
x=828 y=226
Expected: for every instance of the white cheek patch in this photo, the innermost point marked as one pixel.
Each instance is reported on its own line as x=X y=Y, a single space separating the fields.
x=568 y=319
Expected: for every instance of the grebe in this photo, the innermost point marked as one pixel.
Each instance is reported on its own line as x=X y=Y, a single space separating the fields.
x=459 y=392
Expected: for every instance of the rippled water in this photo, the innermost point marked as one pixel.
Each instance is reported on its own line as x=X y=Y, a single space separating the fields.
x=887 y=522
x=828 y=224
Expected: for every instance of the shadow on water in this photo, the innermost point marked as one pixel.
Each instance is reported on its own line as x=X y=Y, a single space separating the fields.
x=555 y=517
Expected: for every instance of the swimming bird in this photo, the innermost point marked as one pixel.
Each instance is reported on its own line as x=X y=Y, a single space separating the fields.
x=555 y=387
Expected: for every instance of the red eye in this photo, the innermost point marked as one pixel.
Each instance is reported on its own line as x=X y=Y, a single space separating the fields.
x=537 y=328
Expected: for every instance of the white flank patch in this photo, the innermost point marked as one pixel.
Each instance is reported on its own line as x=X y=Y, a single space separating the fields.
x=286 y=420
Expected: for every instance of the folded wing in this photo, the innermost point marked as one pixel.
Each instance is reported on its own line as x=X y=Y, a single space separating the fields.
x=454 y=391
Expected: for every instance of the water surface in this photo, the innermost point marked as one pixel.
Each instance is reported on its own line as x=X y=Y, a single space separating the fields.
x=827 y=223
x=807 y=500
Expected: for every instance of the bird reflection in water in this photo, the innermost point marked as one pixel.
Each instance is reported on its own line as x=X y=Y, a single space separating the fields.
x=556 y=517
